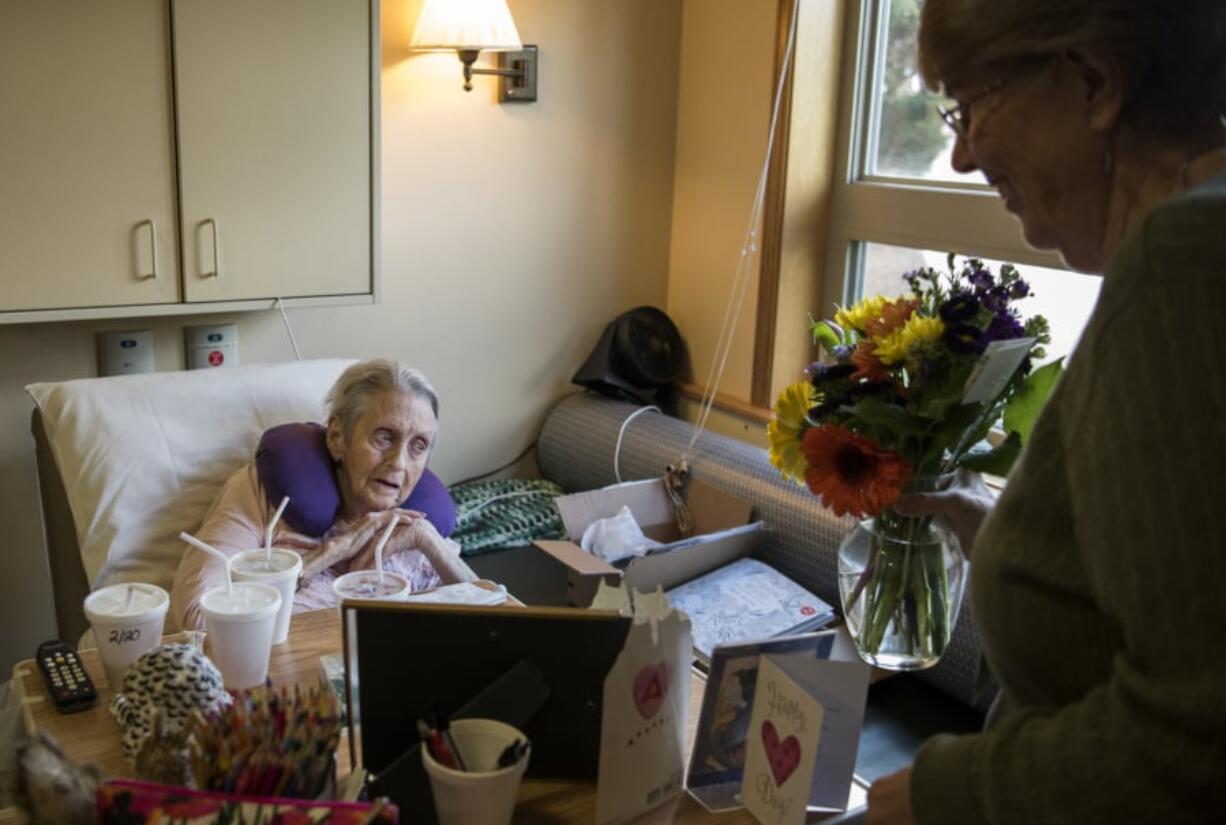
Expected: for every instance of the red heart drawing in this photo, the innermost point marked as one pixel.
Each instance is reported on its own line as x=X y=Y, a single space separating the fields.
x=784 y=756
x=650 y=688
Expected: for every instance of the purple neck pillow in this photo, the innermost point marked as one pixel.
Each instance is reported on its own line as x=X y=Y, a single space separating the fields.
x=293 y=460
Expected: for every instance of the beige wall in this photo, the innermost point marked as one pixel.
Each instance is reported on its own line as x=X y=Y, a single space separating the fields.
x=723 y=114
x=511 y=235
x=726 y=93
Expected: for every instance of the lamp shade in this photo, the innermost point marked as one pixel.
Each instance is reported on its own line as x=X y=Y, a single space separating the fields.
x=482 y=25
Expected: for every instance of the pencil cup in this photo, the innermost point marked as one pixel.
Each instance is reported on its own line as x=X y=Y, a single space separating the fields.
x=484 y=794
x=240 y=625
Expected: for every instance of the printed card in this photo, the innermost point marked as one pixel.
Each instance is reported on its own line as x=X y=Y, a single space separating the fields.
x=784 y=735
x=994 y=369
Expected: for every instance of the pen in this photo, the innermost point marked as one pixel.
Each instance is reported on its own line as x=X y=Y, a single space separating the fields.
x=445 y=730
x=434 y=742
x=512 y=753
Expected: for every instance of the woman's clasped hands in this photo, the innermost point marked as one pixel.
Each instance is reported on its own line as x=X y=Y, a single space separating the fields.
x=353 y=543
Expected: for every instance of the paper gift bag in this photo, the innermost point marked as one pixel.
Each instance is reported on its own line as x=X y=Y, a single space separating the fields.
x=646 y=698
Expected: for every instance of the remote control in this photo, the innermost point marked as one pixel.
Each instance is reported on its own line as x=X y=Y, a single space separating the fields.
x=67 y=682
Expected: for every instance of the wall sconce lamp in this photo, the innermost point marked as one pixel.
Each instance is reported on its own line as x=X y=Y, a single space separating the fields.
x=472 y=26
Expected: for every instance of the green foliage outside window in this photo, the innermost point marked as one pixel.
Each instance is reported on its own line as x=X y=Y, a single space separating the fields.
x=911 y=135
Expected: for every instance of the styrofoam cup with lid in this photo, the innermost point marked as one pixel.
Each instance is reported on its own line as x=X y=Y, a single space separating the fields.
x=127 y=621
x=240 y=624
x=368 y=585
x=279 y=568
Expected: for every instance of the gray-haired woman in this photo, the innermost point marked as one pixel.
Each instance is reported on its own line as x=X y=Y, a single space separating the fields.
x=1098 y=577
x=382 y=425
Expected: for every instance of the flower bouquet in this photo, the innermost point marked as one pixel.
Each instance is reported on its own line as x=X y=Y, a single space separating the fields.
x=907 y=394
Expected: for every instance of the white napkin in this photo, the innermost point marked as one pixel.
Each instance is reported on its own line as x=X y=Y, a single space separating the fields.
x=617 y=537
x=462 y=593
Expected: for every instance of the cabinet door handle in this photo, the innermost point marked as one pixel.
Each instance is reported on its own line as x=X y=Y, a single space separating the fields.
x=216 y=273
x=153 y=249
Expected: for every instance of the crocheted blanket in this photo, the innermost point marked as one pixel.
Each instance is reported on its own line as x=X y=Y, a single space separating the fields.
x=513 y=512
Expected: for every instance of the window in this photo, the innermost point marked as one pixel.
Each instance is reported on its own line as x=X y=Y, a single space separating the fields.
x=897 y=202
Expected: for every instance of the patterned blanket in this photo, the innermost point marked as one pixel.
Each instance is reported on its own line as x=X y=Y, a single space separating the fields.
x=491 y=515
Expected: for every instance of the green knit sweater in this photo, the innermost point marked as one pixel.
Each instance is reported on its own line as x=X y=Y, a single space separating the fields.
x=1098 y=583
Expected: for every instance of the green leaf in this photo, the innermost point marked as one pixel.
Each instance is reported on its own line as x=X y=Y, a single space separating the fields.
x=953 y=431
x=996 y=461
x=824 y=335
x=889 y=417
x=1027 y=402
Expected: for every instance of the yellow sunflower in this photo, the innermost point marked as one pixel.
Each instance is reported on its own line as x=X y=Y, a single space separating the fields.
x=918 y=330
x=787 y=429
x=859 y=315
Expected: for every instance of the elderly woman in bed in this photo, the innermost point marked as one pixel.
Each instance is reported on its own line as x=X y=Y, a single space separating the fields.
x=382 y=423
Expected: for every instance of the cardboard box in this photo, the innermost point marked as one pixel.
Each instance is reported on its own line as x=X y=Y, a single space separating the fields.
x=722 y=534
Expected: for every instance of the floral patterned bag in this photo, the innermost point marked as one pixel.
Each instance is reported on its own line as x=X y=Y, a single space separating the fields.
x=132 y=802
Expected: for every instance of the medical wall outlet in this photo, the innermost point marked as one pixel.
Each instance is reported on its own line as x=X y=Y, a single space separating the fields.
x=125 y=353
x=211 y=346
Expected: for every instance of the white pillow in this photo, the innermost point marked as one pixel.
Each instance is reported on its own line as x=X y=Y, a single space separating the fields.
x=143 y=456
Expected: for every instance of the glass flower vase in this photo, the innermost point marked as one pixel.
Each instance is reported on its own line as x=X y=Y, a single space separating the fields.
x=900 y=582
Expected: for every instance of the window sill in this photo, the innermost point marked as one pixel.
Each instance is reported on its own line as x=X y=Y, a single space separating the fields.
x=729 y=404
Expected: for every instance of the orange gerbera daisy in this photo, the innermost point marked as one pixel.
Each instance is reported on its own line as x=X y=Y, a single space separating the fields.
x=867 y=364
x=850 y=473
x=893 y=315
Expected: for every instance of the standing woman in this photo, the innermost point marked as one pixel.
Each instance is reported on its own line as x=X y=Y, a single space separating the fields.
x=1098 y=580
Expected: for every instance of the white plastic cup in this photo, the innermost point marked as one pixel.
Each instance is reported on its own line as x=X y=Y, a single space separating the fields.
x=484 y=794
x=280 y=569
x=240 y=627
x=364 y=585
x=127 y=621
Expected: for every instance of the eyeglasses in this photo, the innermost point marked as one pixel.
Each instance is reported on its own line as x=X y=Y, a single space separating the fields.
x=958 y=117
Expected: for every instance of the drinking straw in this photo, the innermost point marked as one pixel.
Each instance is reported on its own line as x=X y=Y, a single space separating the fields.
x=268 y=533
x=127 y=603
x=197 y=543
x=387 y=534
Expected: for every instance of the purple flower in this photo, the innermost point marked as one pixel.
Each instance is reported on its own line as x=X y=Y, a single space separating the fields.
x=843 y=352
x=1019 y=289
x=1004 y=326
x=996 y=299
x=980 y=278
x=961 y=306
x=965 y=339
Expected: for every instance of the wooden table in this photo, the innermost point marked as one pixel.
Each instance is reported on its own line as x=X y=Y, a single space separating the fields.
x=91 y=736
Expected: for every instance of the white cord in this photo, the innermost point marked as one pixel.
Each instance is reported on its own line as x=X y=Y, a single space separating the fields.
x=492 y=499
x=740 y=279
x=281 y=306
x=617 y=451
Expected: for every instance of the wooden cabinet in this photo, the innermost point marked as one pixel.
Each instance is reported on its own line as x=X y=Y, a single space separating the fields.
x=232 y=137
x=274 y=146
x=87 y=166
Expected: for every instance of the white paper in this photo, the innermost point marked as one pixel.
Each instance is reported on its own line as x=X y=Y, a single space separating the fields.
x=994 y=369
x=753 y=594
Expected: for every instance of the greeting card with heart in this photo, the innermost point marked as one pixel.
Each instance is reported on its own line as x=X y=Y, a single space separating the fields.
x=823 y=666
x=785 y=732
